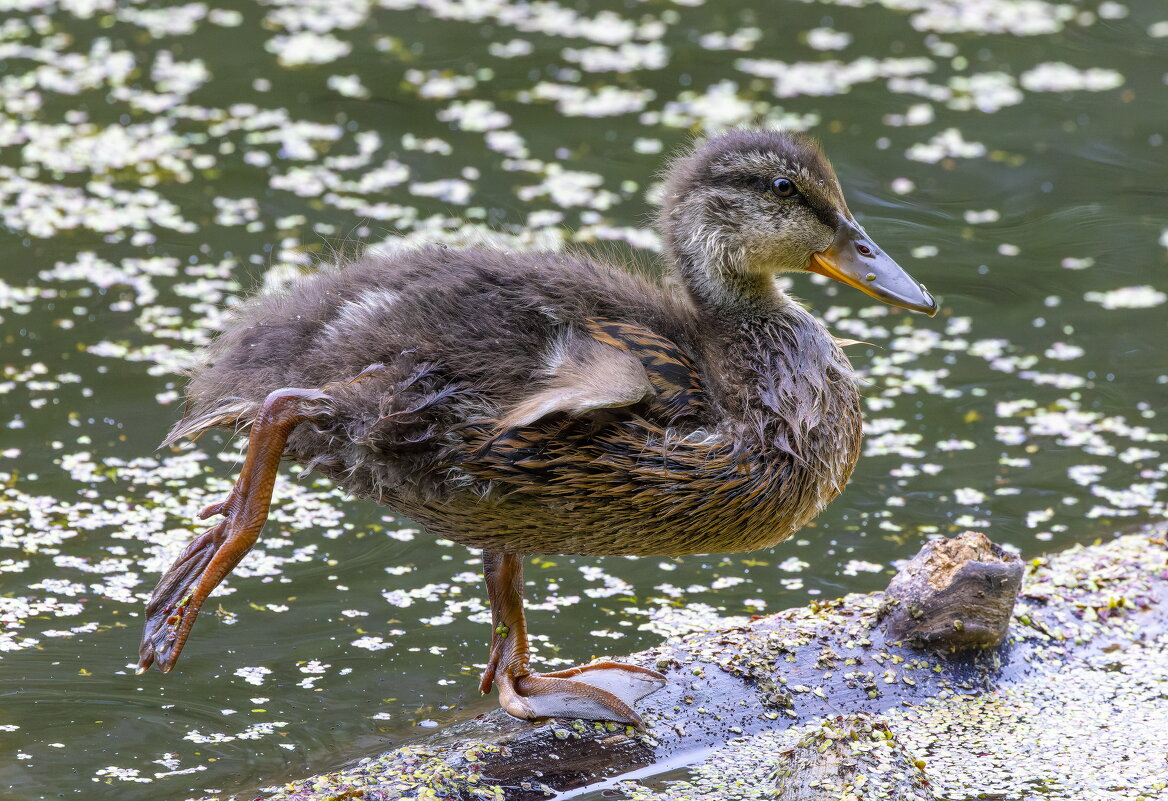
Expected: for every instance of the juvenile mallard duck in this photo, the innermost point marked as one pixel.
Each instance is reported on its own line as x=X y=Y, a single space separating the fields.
x=548 y=403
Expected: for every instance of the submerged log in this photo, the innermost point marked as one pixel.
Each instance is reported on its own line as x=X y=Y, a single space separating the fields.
x=844 y=758
x=857 y=657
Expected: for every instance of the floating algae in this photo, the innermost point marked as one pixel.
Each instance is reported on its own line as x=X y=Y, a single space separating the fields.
x=158 y=161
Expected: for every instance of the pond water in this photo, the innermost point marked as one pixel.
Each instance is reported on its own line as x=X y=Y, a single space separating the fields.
x=158 y=161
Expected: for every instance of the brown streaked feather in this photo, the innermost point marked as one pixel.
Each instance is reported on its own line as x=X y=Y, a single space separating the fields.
x=673 y=375
x=622 y=369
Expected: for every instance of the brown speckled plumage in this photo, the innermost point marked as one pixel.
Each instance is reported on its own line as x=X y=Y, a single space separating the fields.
x=754 y=429
x=766 y=433
x=552 y=403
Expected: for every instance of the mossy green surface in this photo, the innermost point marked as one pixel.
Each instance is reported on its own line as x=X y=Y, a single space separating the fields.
x=413 y=772
x=1081 y=716
x=1075 y=709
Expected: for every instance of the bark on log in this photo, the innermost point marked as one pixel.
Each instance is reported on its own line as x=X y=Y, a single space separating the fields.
x=955 y=594
x=800 y=666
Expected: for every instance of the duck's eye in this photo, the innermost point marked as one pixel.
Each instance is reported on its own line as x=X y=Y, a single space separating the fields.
x=783 y=187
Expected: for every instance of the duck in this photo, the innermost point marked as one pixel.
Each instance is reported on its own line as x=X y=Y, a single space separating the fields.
x=525 y=403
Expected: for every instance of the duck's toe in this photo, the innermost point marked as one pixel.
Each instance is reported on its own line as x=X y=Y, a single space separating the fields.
x=175 y=603
x=630 y=683
x=601 y=691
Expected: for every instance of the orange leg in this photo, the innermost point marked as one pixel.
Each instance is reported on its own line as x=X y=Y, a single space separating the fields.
x=208 y=559
x=600 y=691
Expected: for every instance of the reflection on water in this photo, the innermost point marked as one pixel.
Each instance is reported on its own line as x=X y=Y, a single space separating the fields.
x=157 y=162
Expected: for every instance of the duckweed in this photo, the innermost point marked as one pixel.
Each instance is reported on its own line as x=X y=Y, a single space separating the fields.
x=159 y=161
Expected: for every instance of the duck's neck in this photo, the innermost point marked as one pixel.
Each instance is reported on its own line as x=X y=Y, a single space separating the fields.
x=776 y=358
x=783 y=385
x=781 y=377
x=720 y=284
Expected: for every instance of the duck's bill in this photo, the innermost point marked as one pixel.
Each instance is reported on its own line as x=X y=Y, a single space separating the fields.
x=854 y=259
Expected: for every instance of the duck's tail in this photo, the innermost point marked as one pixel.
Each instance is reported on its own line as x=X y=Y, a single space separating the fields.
x=234 y=413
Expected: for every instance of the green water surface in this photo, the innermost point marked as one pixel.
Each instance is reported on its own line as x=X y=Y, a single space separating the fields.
x=158 y=161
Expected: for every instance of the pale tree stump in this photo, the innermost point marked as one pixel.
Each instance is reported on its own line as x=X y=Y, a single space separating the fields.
x=954 y=595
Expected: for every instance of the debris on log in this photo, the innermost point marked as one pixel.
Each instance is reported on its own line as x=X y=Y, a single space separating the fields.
x=955 y=594
x=851 y=757
x=749 y=695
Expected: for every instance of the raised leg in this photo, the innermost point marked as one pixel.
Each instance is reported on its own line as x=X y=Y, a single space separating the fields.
x=600 y=691
x=204 y=563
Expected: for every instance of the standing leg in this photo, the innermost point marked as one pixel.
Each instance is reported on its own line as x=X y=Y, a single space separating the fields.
x=600 y=691
x=208 y=559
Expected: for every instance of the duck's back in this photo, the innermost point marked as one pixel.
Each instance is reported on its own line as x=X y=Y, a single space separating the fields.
x=483 y=316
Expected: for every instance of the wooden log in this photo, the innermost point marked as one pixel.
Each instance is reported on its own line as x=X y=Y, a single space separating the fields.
x=955 y=594
x=852 y=656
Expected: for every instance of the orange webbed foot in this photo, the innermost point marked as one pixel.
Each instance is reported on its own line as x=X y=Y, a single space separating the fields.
x=176 y=601
x=600 y=691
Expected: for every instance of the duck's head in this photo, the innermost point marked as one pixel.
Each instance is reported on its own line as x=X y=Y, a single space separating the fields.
x=748 y=204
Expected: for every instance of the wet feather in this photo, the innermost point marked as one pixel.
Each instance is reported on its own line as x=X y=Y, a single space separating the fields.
x=555 y=403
